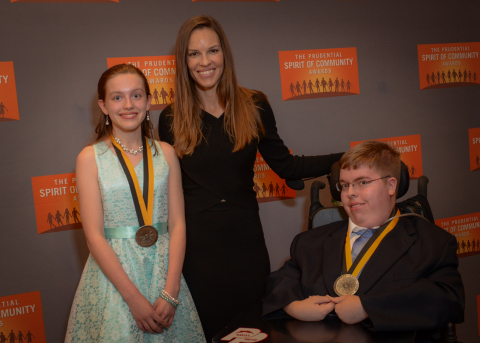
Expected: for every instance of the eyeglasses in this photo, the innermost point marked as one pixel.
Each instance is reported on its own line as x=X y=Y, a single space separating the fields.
x=344 y=186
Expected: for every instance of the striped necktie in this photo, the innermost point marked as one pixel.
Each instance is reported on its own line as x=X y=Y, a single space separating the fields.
x=360 y=242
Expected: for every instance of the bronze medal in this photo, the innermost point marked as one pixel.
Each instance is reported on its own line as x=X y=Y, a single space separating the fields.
x=346 y=284
x=146 y=236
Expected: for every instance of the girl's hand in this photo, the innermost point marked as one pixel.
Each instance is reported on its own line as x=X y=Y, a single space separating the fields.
x=145 y=316
x=165 y=310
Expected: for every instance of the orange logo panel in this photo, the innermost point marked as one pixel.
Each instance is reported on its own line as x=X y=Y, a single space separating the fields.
x=410 y=149
x=56 y=203
x=267 y=184
x=466 y=229
x=320 y=73
x=449 y=65
x=8 y=93
x=21 y=318
x=474 y=144
x=160 y=72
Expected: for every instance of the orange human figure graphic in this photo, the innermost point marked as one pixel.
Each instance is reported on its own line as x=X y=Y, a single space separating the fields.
x=164 y=94
x=75 y=214
x=58 y=218
x=330 y=84
x=324 y=84
x=50 y=218
x=298 y=88
x=310 y=86
x=256 y=188
x=155 y=96
x=284 y=189
x=292 y=89
x=2 y=110
x=348 y=85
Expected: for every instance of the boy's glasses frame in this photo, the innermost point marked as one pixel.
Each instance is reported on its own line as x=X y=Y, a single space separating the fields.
x=345 y=186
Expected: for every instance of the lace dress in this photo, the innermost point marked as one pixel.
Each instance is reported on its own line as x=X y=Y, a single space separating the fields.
x=99 y=313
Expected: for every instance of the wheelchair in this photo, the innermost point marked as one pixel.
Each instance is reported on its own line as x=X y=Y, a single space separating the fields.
x=320 y=215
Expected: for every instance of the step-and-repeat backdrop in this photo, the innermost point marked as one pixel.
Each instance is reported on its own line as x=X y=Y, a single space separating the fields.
x=403 y=72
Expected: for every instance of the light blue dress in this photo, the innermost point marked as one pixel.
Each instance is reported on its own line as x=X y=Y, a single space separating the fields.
x=99 y=313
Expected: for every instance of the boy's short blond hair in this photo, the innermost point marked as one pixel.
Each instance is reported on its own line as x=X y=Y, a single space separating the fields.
x=375 y=154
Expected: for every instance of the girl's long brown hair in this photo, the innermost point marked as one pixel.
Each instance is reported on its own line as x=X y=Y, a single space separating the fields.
x=242 y=120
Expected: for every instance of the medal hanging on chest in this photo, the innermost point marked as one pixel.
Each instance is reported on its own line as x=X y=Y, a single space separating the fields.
x=348 y=283
x=147 y=234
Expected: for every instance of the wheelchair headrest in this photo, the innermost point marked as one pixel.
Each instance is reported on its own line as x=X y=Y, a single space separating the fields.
x=404 y=181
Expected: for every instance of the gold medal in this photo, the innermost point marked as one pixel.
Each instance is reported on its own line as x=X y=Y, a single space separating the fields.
x=346 y=284
x=146 y=236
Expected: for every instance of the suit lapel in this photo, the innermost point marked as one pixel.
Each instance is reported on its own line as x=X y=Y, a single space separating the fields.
x=391 y=249
x=332 y=256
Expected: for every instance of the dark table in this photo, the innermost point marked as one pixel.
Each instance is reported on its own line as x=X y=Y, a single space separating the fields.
x=250 y=327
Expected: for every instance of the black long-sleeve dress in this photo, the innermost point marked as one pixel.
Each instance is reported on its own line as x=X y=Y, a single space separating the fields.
x=226 y=259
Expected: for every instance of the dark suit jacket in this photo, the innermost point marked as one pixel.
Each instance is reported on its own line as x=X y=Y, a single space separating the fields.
x=410 y=283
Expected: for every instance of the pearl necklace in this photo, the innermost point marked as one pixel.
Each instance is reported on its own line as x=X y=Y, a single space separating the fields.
x=134 y=152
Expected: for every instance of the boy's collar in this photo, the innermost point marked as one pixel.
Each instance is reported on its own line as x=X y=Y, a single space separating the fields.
x=352 y=225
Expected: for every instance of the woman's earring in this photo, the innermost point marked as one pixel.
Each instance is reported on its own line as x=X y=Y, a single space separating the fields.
x=148 y=116
x=107 y=122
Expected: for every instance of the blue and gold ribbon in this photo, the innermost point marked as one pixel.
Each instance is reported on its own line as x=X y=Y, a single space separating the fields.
x=364 y=255
x=143 y=204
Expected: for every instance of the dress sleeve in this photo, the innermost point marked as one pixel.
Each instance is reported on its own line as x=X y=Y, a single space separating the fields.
x=165 y=125
x=278 y=157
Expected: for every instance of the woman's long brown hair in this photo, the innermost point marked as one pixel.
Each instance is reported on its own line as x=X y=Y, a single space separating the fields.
x=242 y=120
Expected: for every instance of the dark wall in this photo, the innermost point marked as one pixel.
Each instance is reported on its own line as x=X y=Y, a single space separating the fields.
x=60 y=50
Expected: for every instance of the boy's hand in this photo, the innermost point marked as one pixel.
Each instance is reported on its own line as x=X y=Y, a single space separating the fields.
x=349 y=309
x=313 y=308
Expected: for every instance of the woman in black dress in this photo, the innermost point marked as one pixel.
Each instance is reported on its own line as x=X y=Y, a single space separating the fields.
x=216 y=128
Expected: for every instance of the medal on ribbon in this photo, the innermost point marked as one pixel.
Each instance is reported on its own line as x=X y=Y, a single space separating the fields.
x=348 y=283
x=147 y=234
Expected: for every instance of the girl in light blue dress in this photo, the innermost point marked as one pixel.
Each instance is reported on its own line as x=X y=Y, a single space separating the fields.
x=131 y=289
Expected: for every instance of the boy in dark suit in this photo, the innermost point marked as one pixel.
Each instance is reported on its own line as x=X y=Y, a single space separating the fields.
x=390 y=274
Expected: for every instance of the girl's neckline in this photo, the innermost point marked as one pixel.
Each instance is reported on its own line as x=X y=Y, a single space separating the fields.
x=114 y=155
